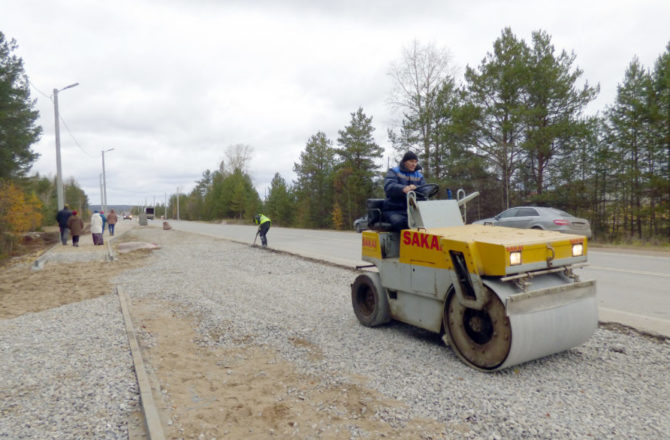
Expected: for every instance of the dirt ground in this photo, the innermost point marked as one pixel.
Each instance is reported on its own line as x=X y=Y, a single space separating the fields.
x=23 y=290
x=204 y=393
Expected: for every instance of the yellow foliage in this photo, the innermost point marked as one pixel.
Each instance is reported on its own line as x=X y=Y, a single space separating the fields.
x=19 y=212
x=338 y=221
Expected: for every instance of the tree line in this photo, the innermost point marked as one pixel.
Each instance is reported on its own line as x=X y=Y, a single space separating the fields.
x=515 y=128
x=334 y=181
x=27 y=202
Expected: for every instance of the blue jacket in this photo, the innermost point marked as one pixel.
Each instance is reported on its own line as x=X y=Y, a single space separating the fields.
x=63 y=216
x=396 y=179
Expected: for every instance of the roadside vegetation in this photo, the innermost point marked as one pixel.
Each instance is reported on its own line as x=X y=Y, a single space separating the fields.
x=27 y=203
x=516 y=128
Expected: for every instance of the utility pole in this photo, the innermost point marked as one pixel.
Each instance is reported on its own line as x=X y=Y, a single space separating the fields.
x=104 y=181
x=102 y=195
x=59 y=169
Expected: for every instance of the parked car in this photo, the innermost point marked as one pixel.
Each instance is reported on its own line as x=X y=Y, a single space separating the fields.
x=535 y=217
x=361 y=224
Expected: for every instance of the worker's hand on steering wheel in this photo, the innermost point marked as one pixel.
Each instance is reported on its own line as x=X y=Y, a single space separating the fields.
x=409 y=188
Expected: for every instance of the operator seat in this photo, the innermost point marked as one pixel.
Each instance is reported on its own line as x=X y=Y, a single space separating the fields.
x=375 y=209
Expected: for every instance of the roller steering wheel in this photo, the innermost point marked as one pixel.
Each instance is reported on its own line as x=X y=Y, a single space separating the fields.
x=424 y=192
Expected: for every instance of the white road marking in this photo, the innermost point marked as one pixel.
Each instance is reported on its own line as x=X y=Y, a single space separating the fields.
x=636 y=272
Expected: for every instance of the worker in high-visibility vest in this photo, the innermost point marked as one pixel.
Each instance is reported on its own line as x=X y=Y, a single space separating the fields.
x=263 y=223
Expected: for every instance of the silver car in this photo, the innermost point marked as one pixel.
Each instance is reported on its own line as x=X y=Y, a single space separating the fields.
x=360 y=224
x=535 y=217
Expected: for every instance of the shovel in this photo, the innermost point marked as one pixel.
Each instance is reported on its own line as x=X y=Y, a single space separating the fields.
x=254 y=243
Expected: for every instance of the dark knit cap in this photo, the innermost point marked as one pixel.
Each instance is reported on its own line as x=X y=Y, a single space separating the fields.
x=409 y=156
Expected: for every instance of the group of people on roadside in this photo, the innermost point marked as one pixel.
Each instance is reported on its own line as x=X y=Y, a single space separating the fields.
x=71 y=224
x=398 y=182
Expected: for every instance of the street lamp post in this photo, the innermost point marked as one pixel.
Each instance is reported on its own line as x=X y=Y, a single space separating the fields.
x=102 y=197
x=104 y=181
x=59 y=172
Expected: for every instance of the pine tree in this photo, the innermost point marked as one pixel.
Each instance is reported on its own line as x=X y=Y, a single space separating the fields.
x=17 y=115
x=629 y=121
x=553 y=127
x=280 y=206
x=314 y=187
x=496 y=92
x=661 y=117
x=357 y=166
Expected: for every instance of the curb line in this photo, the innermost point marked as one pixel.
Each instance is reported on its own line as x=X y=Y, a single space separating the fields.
x=151 y=417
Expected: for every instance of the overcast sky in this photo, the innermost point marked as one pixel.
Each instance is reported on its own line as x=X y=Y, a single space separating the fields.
x=171 y=84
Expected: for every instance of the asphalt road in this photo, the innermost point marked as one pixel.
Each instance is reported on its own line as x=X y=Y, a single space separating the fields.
x=633 y=288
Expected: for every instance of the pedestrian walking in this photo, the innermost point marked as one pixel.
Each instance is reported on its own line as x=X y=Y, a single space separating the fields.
x=112 y=218
x=62 y=217
x=104 y=221
x=96 y=228
x=76 y=226
x=263 y=223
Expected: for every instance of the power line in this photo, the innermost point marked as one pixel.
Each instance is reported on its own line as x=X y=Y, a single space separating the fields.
x=50 y=98
x=41 y=92
x=73 y=138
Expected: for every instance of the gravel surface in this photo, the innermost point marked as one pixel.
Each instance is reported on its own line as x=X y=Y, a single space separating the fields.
x=614 y=386
x=67 y=373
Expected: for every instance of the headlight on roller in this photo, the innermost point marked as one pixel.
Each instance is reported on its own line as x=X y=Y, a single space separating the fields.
x=577 y=249
x=515 y=258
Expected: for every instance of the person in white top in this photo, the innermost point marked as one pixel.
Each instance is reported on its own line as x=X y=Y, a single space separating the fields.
x=96 y=228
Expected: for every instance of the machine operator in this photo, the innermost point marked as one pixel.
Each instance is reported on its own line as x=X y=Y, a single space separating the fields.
x=398 y=182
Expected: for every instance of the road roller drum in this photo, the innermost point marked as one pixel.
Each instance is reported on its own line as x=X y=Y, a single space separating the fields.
x=500 y=296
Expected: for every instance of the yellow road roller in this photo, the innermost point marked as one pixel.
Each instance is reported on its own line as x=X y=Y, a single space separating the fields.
x=500 y=296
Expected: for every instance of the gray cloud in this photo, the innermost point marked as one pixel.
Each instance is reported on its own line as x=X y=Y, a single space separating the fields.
x=170 y=84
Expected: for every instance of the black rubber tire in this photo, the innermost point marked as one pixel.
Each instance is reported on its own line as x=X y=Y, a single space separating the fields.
x=369 y=300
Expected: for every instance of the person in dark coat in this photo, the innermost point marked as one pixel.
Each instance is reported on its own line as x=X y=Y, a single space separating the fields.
x=76 y=226
x=62 y=218
x=398 y=182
